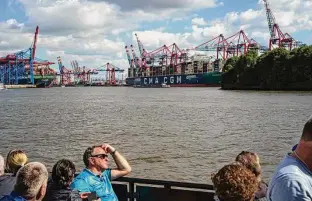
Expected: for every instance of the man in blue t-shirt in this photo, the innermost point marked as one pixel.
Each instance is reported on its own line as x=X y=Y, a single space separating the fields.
x=292 y=180
x=96 y=177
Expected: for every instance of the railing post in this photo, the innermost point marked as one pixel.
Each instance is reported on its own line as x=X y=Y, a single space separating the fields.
x=131 y=191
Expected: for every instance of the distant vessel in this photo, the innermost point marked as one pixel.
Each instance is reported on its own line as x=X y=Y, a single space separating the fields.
x=199 y=72
x=40 y=81
x=151 y=86
x=163 y=85
x=2 y=87
x=209 y=79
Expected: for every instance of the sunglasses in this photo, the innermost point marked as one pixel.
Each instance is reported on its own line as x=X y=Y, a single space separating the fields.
x=102 y=156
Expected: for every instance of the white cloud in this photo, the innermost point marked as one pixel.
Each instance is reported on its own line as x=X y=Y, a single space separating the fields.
x=105 y=17
x=164 y=4
x=12 y=36
x=262 y=35
x=161 y=38
x=89 y=31
x=199 y=21
x=252 y=21
x=90 y=61
x=250 y=14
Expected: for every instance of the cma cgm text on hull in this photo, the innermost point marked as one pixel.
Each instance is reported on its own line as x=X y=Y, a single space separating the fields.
x=205 y=79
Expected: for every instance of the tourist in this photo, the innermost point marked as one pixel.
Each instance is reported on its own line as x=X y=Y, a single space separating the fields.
x=63 y=173
x=1 y=165
x=15 y=160
x=234 y=182
x=252 y=162
x=292 y=179
x=97 y=176
x=31 y=183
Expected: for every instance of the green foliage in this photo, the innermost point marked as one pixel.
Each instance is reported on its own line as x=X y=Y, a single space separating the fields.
x=276 y=69
x=230 y=63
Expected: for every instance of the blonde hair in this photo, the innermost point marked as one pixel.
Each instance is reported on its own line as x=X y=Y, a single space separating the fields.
x=251 y=161
x=15 y=160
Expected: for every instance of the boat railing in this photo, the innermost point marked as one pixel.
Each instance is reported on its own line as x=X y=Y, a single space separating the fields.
x=135 y=189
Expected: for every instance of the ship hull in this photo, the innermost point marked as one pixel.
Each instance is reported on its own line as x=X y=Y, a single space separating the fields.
x=39 y=82
x=210 y=79
x=43 y=83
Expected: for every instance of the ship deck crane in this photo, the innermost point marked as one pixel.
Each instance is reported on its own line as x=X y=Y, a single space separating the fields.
x=143 y=52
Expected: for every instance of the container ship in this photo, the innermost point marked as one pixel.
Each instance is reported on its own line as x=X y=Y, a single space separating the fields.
x=169 y=65
x=198 y=72
x=40 y=81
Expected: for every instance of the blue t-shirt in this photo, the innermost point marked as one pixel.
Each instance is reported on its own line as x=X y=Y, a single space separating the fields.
x=12 y=197
x=292 y=181
x=86 y=181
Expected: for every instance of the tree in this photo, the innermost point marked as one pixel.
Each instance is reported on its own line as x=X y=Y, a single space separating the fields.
x=277 y=69
x=229 y=64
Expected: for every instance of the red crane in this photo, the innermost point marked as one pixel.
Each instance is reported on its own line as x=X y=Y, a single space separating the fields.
x=277 y=37
x=239 y=44
x=111 y=74
x=35 y=42
x=177 y=56
x=217 y=44
x=65 y=74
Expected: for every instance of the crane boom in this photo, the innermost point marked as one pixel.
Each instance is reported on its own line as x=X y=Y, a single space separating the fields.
x=270 y=18
x=140 y=45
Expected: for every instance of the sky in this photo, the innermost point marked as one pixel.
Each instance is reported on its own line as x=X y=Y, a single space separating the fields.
x=95 y=32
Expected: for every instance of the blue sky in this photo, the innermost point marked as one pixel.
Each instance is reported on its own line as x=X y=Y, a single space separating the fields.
x=94 y=32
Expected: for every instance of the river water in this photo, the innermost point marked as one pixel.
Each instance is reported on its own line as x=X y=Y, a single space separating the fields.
x=180 y=134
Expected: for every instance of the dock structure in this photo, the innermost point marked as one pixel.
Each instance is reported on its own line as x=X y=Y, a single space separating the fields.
x=23 y=68
x=19 y=86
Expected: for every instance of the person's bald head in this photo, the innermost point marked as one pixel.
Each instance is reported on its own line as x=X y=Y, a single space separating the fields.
x=307 y=131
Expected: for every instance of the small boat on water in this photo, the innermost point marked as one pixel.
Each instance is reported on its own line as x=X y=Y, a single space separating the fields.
x=2 y=87
x=163 y=85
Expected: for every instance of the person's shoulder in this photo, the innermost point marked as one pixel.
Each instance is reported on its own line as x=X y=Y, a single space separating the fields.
x=6 y=198
x=288 y=177
x=289 y=186
x=288 y=167
x=108 y=170
x=7 y=177
x=107 y=173
x=82 y=175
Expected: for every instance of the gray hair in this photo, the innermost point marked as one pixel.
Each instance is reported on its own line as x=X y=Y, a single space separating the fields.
x=1 y=165
x=30 y=179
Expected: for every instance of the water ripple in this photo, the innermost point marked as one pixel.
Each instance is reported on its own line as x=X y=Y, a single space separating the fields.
x=182 y=134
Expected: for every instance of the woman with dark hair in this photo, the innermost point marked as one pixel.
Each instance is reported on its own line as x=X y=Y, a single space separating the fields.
x=63 y=173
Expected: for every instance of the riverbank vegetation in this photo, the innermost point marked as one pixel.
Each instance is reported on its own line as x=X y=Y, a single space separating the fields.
x=278 y=69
